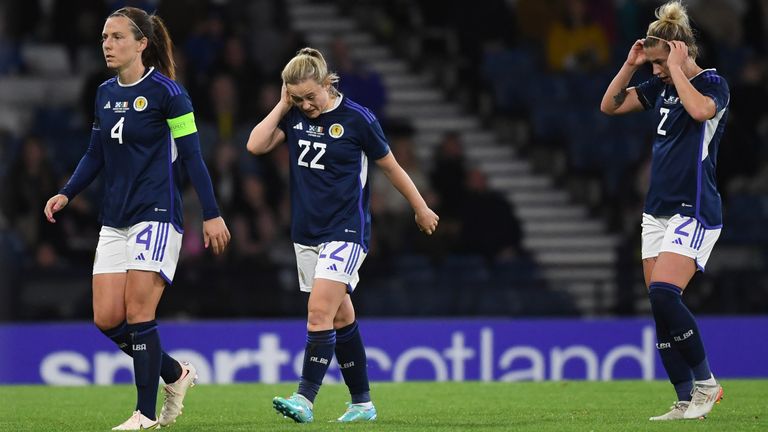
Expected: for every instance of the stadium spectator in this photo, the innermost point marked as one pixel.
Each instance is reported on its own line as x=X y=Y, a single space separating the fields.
x=488 y=224
x=235 y=63
x=682 y=218
x=223 y=118
x=449 y=173
x=576 y=42
x=135 y=113
x=254 y=221
x=360 y=83
x=34 y=180
x=330 y=139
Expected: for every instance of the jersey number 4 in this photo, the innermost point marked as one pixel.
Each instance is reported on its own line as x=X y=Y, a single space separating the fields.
x=117 y=130
x=315 y=163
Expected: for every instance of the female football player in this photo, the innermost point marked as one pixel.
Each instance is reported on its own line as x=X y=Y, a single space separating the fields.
x=330 y=139
x=144 y=130
x=682 y=218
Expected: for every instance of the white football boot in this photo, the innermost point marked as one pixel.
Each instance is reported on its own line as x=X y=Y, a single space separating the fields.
x=173 y=394
x=137 y=421
x=676 y=412
x=704 y=398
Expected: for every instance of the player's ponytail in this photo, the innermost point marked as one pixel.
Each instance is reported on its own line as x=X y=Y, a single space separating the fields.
x=672 y=24
x=309 y=63
x=159 y=51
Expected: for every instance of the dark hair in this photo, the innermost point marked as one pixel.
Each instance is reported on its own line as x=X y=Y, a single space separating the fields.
x=672 y=24
x=159 y=51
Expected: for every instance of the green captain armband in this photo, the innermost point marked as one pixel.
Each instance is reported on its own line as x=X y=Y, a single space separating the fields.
x=182 y=125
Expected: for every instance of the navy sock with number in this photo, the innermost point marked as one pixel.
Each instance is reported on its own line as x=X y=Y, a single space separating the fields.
x=170 y=369
x=666 y=302
x=317 y=356
x=147 y=355
x=350 y=353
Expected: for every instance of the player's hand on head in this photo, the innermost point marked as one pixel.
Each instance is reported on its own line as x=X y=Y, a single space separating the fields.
x=285 y=98
x=216 y=234
x=678 y=52
x=427 y=220
x=56 y=203
x=636 y=55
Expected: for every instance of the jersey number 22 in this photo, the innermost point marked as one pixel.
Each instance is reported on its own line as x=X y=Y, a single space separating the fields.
x=315 y=163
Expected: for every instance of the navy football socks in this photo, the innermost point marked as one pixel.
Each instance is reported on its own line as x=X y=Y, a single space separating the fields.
x=350 y=353
x=677 y=369
x=668 y=307
x=170 y=369
x=147 y=355
x=317 y=356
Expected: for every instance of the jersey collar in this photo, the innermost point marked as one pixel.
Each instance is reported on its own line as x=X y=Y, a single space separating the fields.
x=151 y=68
x=335 y=104
x=702 y=71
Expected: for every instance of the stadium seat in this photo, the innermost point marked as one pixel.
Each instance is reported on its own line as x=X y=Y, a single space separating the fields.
x=50 y=60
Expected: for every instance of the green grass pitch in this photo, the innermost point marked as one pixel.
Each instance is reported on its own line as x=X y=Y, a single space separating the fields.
x=423 y=406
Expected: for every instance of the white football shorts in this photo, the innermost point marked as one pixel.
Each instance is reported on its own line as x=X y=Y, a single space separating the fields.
x=150 y=246
x=682 y=235
x=337 y=261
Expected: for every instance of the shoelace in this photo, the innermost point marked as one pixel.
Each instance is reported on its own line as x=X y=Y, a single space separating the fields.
x=699 y=396
x=679 y=406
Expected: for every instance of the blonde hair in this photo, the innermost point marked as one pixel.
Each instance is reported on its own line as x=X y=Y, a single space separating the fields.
x=672 y=24
x=309 y=63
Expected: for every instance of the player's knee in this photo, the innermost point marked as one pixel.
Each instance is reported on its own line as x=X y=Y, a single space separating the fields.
x=107 y=320
x=343 y=319
x=318 y=318
x=137 y=312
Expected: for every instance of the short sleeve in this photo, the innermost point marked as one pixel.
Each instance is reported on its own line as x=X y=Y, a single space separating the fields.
x=648 y=91
x=715 y=86
x=376 y=145
x=179 y=104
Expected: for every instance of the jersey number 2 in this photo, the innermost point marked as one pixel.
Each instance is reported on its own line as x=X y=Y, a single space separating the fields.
x=315 y=163
x=664 y=113
x=117 y=130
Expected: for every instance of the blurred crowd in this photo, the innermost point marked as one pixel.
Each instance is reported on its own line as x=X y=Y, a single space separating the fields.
x=535 y=70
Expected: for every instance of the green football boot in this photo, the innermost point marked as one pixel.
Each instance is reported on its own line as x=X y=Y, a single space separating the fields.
x=358 y=413
x=297 y=407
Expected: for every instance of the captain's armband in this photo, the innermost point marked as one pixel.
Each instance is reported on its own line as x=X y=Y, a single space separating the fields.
x=183 y=125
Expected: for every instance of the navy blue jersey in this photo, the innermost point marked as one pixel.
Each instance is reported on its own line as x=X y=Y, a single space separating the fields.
x=685 y=150
x=134 y=126
x=330 y=198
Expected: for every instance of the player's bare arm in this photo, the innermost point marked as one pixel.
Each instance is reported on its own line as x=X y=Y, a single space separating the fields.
x=267 y=135
x=698 y=106
x=618 y=99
